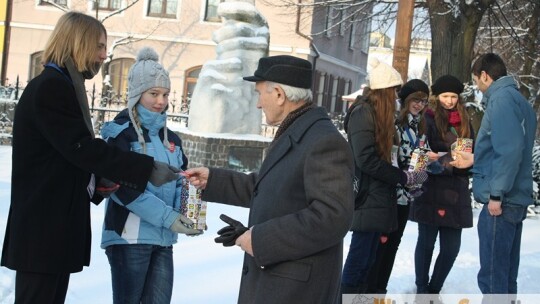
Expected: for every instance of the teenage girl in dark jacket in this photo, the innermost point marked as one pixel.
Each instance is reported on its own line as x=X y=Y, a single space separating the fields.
x=445 y=207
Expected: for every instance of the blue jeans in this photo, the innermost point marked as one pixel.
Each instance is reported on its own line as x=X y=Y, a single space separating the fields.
x=141 y=273
x=449 y=245
x=360 y=258
x=500 y=242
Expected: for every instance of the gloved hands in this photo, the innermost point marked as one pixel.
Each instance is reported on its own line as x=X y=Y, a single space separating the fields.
x=106 y=187
x=416 y=192
x=229 y=234
x=183 y=225
x=163 y=173
x=415 y=178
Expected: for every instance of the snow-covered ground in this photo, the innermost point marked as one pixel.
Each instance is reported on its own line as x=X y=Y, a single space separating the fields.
x=207 y=273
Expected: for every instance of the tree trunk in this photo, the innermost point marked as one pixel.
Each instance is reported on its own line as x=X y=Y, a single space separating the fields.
x=453 y=34
x=530 y=47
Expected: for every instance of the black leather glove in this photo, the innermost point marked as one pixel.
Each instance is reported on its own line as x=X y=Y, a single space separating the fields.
x=163 y=173
x=106 y=187
x=229 y=234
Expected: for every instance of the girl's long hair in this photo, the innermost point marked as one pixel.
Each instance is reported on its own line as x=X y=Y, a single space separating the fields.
x=383 y=102
x=441 y=119
x=76 y=35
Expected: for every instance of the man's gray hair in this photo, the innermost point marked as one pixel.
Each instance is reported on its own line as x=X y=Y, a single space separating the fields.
x=294 y=94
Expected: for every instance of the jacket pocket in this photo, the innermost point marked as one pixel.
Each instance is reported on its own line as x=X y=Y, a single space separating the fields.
x=362 y=182
x=480 y=188
x=299 y=271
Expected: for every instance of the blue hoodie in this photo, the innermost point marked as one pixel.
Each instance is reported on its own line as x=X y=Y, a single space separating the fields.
x=503 y=149
x=131 y=217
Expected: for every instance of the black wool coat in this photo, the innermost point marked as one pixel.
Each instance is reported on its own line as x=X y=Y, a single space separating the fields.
x=376 y=202
x=446 y=200
x=54 y=154
x=301 y=205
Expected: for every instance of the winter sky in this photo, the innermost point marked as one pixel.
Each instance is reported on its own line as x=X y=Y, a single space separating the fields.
x=207 y=273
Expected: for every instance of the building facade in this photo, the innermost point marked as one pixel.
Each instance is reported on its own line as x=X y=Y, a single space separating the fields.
x=181 y=32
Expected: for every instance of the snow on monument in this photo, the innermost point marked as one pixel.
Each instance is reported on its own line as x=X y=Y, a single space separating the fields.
x=222 y=101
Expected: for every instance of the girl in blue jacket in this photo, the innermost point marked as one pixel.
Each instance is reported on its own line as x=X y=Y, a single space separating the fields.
x=140 y=229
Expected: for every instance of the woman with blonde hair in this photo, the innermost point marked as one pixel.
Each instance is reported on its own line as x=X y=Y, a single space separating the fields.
x=56 y=154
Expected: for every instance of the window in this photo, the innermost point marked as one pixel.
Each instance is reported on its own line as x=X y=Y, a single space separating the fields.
x=36 y=66
x=342 y=20
x=364 y=40
x=58 y=2
x=191 y=77
x=162 y=8
x=211 y=11
x=328 y=22
x=352 y=34
x=118 y=73
x=109 y=5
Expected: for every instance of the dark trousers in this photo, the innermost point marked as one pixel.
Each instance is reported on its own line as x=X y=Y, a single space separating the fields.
x=449 y=245
x=42 y=288
x=359 y=260
x=379 y=274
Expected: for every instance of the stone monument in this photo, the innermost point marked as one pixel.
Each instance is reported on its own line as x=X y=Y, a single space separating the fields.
x=222 y=101
x=224 y=123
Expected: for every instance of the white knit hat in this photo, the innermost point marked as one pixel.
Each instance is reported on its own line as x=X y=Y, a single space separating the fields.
x=382 y=75
x=144 y=74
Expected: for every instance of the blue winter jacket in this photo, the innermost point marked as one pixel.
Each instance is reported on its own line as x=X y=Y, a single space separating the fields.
x=503 y=149
x=135 y=218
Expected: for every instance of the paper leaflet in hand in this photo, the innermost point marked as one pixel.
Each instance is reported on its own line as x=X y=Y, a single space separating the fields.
x=192 y=206
x=419 y=160
x=461 y=144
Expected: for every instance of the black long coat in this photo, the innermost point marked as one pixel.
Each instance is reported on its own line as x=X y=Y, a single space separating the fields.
x=447 y=199
x=301 y=205
x=54 y=154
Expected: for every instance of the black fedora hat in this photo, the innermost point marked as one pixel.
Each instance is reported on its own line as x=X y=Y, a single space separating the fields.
x=284 y=69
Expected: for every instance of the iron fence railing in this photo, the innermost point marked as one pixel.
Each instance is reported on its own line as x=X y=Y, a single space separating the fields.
x=103 y=107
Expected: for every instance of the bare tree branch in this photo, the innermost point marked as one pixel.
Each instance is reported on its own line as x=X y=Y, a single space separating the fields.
x=118 y=11
x=58 y=6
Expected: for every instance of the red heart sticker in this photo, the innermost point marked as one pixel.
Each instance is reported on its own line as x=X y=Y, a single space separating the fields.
x=441 y=212
x=384 y=238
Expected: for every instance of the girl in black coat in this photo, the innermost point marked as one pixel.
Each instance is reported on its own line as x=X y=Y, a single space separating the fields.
x=370 y=131
x=445 y=207
x=410 y=135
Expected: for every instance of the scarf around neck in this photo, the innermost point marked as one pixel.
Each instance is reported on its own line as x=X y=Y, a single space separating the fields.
x=454 y=119
x=291 y=117
x=80 y=91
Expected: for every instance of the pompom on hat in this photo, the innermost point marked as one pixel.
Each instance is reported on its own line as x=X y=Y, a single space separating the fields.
x=382 y=75
x=144 y=74
x=412 y=86
x=447 y=83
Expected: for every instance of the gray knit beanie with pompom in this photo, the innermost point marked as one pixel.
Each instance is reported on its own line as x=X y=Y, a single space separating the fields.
x=146 y=73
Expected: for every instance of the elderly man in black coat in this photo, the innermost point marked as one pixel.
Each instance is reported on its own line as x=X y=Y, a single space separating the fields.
x=301 y=201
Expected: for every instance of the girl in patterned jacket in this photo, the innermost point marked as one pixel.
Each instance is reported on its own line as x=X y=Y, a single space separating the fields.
x=140 y=229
